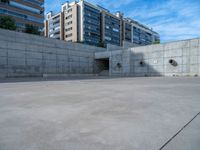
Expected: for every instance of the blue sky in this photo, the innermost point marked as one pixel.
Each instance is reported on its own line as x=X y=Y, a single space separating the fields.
x=172 y=19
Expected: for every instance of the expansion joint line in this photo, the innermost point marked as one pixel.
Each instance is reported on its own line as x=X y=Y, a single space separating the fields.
x=179 y=131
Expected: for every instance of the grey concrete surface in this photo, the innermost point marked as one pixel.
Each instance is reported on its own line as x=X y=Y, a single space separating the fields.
x=155 y=59
x=26 y=55
x=98 y=114
x=187 y=139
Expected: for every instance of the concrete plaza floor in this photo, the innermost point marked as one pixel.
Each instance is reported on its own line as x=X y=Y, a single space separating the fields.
x=101 y=114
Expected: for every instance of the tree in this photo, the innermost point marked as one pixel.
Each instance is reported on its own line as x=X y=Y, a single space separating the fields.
x=5 y=1
x=101 y=44
x=32 y=29
x=156 y=42
x=7 y=22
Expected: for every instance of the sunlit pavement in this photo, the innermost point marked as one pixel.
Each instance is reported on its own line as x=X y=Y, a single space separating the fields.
x=101 y=114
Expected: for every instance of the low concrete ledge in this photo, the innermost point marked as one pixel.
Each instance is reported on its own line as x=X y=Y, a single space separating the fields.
x=69 y=75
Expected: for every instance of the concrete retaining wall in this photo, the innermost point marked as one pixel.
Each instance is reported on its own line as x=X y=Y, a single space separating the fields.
x=153 y=60
x=29 y=55
x=156 y=58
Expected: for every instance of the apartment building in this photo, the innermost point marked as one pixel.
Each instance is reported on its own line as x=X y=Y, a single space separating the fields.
x=24 y=12
x=70 y=17
x=63 y=25
x=137 y=33
x=54 y=26
x=111 y=28
x=92 y=24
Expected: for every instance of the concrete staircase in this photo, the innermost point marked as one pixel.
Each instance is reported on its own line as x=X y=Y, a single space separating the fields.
x=104 y=73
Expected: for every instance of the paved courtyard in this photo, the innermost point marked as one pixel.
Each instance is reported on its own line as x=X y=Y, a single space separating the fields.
x=101 y=114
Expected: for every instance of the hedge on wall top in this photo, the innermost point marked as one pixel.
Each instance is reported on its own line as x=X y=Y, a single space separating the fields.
x=7 y=22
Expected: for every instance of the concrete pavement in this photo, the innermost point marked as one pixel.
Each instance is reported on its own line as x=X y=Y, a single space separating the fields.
x=100 y=114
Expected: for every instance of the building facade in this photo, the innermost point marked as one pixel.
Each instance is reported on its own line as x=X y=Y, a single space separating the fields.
x=111 y=28
x=89 y=22
x=24 y=12
x=70 y=28
x=63 y=25
x=94 y=25
x=54 y=26
x=138 y=34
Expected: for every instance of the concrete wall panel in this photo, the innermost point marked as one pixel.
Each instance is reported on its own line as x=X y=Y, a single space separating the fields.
x=156 y=59
x=194 y=51
x=3 y=52
x=29 y=55
x=194 y=43
x=3 y=60
x=16 y=61
x=16 y=46
x=34 y=48
x=16 y=53
x=185 y=51
x=33 y=55
x=34 y=62
x=3 y=45
x=193 y=59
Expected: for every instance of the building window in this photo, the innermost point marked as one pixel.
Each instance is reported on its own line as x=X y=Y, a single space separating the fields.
x=26 y=17
x=56 y=22
x=70 y=22
x=36 y=2
x=108 y=38
x=68 y=35
x=56 y=28
x=69 y=29
x=64 y=8
x=70 y=10
x=18 y=5
x=56 y=17
x=115 y=29
x=68 y=17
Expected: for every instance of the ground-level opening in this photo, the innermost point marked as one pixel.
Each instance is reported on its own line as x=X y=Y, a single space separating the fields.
x=103 y=66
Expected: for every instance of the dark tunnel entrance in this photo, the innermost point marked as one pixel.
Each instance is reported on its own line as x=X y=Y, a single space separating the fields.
x=103 y=66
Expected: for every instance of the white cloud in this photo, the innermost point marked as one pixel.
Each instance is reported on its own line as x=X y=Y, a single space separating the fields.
x=119 y=3
x=174 y=20
x=52 y=5
x=111 y=4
